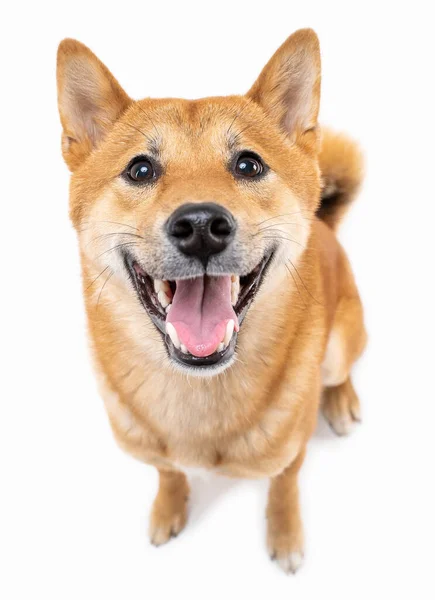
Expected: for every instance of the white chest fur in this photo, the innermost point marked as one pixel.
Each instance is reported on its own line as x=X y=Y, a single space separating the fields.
x=196 y=472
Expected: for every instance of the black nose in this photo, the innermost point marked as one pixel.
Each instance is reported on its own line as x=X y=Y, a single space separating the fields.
x=201 y=229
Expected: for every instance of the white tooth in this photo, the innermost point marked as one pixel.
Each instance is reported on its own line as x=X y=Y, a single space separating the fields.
x=161 y=284
x=168 y=308
x=183 y=349
x=163 y=298
x=228 y=332
x=235 y=289
x=220 y=347
x=172 y=332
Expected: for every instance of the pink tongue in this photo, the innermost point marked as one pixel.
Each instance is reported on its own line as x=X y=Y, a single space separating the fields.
x=200 y=311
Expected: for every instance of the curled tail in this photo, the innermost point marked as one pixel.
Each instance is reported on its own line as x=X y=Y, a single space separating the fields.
x=341 y=165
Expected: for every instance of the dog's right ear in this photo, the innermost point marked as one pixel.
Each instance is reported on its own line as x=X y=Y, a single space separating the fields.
x=90 y=100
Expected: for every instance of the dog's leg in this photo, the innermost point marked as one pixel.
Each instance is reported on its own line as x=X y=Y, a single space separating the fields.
x=284 y=526
x=346 y=342
x=341 y=407
x=169 y=512
x=340 y=404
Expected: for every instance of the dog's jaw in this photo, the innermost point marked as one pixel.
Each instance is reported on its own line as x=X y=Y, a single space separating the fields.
x=158 y=297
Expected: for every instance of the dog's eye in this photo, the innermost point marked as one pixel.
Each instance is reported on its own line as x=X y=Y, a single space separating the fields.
x=249 y=166
x=141 y=170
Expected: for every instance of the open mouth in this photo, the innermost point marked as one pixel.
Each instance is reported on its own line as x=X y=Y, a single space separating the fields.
x=198 y=318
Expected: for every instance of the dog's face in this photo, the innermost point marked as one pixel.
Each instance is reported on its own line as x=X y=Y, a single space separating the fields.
x=192 y=204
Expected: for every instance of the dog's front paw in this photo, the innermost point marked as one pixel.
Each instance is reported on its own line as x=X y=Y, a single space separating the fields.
x=341 y=407
x=169 y=512
x=285 y=545
x=164 y=526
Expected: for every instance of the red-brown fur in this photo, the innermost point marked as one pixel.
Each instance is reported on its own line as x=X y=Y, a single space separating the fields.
x=303 y=332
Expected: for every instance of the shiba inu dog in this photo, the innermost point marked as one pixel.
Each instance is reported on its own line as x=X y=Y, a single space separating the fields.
x=222 y=310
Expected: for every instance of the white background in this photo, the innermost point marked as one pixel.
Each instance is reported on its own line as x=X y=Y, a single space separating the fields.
x=74 y=508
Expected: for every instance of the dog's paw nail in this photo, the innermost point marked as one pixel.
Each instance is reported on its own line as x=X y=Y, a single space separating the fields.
x=162 y=530
x=291 y=562
x=343 y=425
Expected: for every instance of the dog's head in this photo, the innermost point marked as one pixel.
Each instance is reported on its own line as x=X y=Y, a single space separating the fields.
x=192 y=204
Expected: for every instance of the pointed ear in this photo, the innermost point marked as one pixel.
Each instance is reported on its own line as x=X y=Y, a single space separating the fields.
x=90 y=100
x=288 y=88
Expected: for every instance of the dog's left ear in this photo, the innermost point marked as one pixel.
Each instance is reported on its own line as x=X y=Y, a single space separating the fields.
x=90 y=100
x=288 y=88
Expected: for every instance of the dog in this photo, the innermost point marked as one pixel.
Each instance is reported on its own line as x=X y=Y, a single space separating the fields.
x=222 y=310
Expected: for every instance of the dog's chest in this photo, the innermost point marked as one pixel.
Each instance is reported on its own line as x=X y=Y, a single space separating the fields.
x=251 y=453
x=198 y=432
x=247 y=456
x=195 y=472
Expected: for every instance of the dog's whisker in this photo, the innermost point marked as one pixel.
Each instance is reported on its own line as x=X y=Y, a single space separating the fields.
x=150 y=140
x=117 y=247
x=302 y=210
x=97 y=277
x=103 y=286
x=112 y=223
x=277 y=225
x=238 y=114
x=239 y=134
x=117 y=233
x=296 y=285
x=303 y=283
x=282 y=238
x=159 y=135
